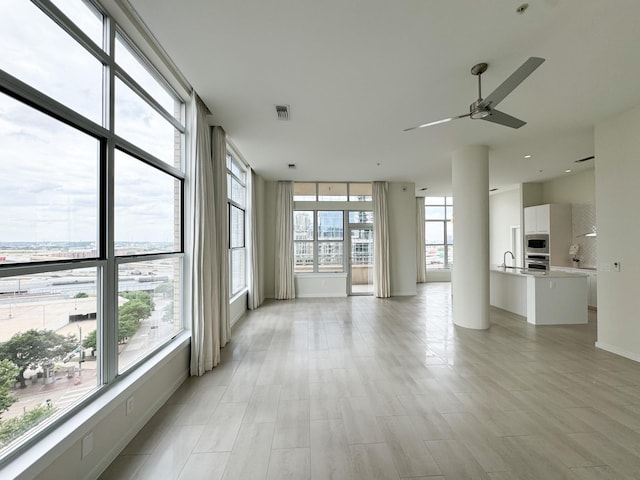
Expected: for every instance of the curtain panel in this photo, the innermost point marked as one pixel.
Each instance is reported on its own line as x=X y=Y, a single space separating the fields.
x=205 y=342
x=219 y=146
x=421 y=261
x=285 y=287
x=381 y=277
x=255 y=297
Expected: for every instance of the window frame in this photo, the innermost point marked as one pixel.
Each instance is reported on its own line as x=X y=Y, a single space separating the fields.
x=446 y=205
x=232 y=159
x=106 y=261
x=345 y=206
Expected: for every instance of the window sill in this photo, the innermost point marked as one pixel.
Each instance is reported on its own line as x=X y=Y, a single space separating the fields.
x=32 y=460
x=236 y=296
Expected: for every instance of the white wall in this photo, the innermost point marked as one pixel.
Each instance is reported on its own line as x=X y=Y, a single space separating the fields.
x=504 y=213
x=531 y=194
x=579 y=190
x=576 y=188
x=401 y=204
x=438 y=274
x=617 y=147
x=321 y=285
x=237 y=307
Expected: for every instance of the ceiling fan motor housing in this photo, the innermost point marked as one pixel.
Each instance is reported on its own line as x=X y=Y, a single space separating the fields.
x=477 y=111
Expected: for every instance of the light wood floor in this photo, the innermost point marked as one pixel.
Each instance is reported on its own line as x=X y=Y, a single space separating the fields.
x=365 y=388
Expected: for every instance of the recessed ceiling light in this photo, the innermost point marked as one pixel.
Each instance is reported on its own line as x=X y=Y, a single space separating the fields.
x=527 y=156
x=522 y=8
x=423 y=189
x=567 y=171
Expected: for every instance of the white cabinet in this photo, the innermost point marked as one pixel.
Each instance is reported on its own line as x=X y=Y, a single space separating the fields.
x=508 y=292
x=530 y=220
x=592 y=293
x=553 y=219
x=593 y=290
x=537 y=219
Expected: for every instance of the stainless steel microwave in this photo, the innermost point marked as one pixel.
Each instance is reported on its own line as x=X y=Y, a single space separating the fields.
x=537 y=243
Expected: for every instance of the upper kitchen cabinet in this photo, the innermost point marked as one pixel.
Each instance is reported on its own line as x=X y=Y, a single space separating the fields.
x=544 y=218
x=537 y=219
x=553 y=220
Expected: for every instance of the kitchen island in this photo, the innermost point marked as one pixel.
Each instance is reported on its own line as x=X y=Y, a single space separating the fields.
x=551 y=298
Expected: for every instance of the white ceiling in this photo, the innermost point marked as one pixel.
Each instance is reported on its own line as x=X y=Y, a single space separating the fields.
x=357 y=72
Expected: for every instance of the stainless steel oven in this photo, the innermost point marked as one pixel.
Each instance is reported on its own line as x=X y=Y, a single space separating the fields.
x=537 y=262
x=537 y=243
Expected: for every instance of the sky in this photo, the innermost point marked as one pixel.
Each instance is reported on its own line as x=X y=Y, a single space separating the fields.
x=48 y=170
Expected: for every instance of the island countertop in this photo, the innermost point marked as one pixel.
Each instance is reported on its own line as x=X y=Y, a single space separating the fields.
x=544 y=298
x=524 y=272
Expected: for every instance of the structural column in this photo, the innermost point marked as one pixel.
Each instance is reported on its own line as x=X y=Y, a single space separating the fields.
x=470 y=275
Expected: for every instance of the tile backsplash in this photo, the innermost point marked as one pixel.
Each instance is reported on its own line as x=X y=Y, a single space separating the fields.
x=583 y=218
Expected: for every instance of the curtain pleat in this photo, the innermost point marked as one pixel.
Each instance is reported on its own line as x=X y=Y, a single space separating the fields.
x=421 y=261
x=255 y=297
x=219 y=145
x=204 y=331
x=381 y=277
x=285 y=288
x=207 y=243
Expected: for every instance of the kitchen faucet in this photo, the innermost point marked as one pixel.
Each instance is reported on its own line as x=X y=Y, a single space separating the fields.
x=504 y=258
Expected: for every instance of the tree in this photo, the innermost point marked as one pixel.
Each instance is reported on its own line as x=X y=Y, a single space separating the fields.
x=16 y=426
x=138 y=307
x=91 y=341
x=144 y=297
x=81 y=295
x=168 y=313
x=135 y=310
x=126 y=328
x=165 y=289
x=36 y=348
x=8 y=373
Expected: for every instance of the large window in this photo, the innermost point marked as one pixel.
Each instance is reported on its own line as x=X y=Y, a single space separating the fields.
x=318 y=241
x=332 y=192
x=237 y=201
x=91 y=234
x=319 y=222
x=439 y=232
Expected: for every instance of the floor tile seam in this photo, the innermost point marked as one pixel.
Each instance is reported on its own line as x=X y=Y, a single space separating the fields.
x=631 y=450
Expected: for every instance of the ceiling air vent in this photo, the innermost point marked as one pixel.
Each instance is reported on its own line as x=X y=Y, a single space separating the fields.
x=282 y=112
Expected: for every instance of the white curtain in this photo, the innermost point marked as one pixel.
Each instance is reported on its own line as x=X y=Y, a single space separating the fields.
x=208 y=300
x=381 y=278
x=255 y=296
x=285 y=288
x=420 y=241
x=219 y=147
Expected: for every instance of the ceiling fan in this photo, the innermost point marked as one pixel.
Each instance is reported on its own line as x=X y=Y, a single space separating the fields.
x=484 y=109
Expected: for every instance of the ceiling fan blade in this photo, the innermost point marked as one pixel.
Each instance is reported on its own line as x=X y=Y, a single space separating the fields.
x=502 y=118
x=437 y=122
x=512 y=82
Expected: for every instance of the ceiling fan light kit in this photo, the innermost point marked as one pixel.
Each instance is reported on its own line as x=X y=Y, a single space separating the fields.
x=484 y=109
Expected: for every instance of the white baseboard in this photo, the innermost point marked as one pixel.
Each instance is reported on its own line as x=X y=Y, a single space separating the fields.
x=619 y=351
x=405 y=293
x=321 y=295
